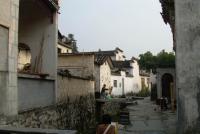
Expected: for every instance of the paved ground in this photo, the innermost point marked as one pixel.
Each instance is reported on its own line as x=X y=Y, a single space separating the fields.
x=144 y=120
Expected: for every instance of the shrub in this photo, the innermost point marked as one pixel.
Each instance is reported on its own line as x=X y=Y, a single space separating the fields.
x=144 y=92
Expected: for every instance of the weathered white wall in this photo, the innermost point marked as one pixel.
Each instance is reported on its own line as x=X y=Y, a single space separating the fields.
x=105 y=75
x=136 y=77
x=73 y=87
x=35 y=93
x=79 y=65
x=129 y=85
x=8 y=49
x=188 y=65
x=97 y=78
x=117 y=90
x=120 y=89
x=37 y=26
x=64 y=49
x=119 y=56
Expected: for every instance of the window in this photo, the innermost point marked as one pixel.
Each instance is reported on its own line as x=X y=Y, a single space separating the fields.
x=120 y=84
x=115 y=83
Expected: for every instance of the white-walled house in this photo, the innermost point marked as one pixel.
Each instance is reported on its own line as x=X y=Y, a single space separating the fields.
x=125 y=77
x=65 y=44
x=116 y=55
x=103 y=66
x=118 y=82
x=88 y=65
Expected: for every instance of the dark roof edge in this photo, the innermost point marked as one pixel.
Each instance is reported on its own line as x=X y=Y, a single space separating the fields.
x=63 y=44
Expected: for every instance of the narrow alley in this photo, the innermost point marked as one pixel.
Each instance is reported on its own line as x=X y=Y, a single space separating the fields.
x=144 y=120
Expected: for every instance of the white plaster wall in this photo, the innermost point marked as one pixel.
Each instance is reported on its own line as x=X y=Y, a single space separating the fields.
x=105 y=75
x=64 y=49
x=120 y=56
x=136 y=77
x=116 y=90
x=129 y=85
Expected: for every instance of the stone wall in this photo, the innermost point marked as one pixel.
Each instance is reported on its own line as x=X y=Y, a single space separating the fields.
x=188 y=65
x=9 y=10
x=73 y=87
x=74 y=115
x=160 y=73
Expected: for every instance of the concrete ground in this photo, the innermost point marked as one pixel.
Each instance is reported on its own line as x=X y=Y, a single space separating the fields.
x=144 y=120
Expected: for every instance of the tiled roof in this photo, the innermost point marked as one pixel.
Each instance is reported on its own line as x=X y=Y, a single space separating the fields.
x=100 y=59
x=109 y=52
x=106 y=53
x=122 y=64
x=53 y=4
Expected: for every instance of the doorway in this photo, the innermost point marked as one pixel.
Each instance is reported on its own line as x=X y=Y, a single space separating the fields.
x=167 y=81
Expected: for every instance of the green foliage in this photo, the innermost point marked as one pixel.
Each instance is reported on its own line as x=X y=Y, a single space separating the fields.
x=163 y=59
x=144 y=92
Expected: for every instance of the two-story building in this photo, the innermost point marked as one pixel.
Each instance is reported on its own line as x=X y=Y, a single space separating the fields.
x=31 y=27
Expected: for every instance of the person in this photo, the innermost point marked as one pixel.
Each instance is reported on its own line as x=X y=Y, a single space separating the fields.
x=105 y=127
x=109 y=93
x=103 y=91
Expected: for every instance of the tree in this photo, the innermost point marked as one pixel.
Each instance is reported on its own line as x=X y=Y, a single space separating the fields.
x=148 y=61
x=165 y=59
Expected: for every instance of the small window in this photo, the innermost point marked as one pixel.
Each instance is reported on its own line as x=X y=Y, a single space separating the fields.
x=115 y=83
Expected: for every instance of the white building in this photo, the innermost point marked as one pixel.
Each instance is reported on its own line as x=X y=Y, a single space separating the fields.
x=125 y=77
x=64 y=44
x=103 y=66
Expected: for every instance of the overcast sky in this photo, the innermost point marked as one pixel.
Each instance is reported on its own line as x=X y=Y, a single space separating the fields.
x=135 y=26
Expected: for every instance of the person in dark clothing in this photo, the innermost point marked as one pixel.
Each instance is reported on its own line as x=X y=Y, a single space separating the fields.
x=103 y=91
x=105 y=127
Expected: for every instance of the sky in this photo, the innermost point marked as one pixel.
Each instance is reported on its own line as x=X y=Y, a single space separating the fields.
x=135 y=26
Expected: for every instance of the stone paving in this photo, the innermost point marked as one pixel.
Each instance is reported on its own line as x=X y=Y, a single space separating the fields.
x=144 y=120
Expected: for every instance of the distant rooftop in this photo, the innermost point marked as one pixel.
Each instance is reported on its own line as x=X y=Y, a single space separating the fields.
x=122 y=64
